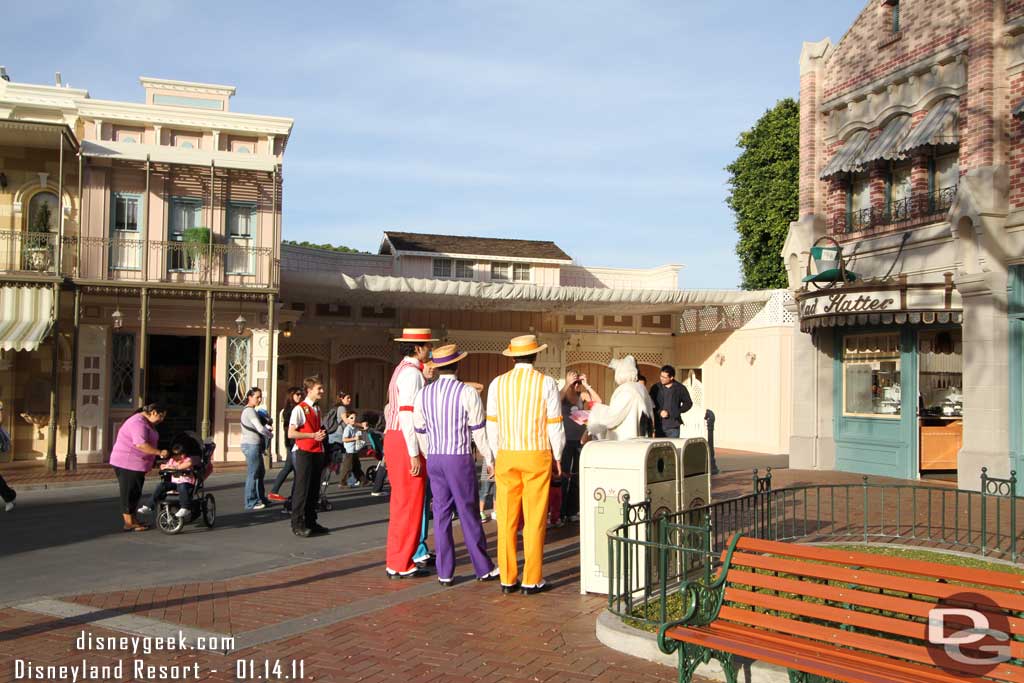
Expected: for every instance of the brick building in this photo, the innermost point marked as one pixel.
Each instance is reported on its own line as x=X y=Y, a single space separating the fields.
x=911 y=152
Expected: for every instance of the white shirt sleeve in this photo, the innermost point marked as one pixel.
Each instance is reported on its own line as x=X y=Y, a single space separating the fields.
x=298 y=417
x=420 y=424
x=492 y=417
x=556 y=430
x=409 y=383
x=477 y=421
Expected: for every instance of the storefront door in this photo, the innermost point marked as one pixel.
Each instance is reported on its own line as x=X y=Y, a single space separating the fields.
x=876 y=402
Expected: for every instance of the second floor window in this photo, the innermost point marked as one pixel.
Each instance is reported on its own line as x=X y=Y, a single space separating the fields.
x=442 y=267
x=125 y=247
x=521 y=272
x=944 y=172
x=240 y=258
x=184 y=213
x=899 y=190
x=858 y=202
x=464 y=270
x=501 y=271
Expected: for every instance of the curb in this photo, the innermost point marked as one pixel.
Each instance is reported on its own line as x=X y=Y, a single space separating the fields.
x=630 y=641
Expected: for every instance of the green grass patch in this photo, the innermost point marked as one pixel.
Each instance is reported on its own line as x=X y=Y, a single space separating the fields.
x=932 y=556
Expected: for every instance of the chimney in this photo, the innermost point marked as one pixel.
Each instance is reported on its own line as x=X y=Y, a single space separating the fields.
x=56 y=79
x=3 y=74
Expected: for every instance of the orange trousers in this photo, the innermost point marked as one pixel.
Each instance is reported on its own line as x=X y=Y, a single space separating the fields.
x=523 y=481
x=406 y=505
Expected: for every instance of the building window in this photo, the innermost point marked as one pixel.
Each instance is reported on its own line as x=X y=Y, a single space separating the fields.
x=184 y=213
x=871 y=375
x=238 y=370
x=894 y=9
x=122 y=371
x=125 y=246
x=442 y=267
x=898 y=191
x=944 y=172
x=521 y=272
x=858 y=202
x=501 y=271
x=940 y=369
x=240 y=258
x=464 y=270
x=243 y=149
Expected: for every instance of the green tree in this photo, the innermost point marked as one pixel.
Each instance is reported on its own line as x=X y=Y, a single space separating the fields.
x=764 y=194
x=331 y=247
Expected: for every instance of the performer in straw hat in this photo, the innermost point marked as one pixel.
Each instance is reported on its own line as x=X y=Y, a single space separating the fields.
x=402 y=454
x=449 y=418
x=524 y=429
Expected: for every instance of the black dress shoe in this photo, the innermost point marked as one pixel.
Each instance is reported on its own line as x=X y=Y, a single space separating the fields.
x=417 y=573
x=302 y=533
x=533 y=590
x=392 y=575
x=509 y=590
x=445 y=584
x=320 y=529
x=427 y=561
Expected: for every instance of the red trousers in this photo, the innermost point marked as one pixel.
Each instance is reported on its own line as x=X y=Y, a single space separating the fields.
x=406 y=507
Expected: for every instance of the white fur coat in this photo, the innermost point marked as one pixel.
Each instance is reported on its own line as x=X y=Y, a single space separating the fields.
x=619 y=419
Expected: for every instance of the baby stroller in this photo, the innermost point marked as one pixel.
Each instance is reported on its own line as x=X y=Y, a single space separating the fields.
x=203 y=504
x=375 y=443
x=324 y=504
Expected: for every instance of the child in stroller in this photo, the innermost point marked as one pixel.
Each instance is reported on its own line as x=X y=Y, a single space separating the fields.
x=180 y=496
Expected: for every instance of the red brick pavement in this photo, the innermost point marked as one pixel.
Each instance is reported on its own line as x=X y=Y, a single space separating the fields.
x=470 y=632
x=34 y=473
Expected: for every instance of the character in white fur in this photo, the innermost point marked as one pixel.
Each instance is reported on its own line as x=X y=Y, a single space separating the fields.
x=619 y=419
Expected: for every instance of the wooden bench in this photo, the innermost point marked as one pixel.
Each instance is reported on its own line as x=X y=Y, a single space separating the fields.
x=827 y=614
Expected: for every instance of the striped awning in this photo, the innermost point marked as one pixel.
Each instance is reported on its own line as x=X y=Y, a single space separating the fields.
x=886 y=145
x=848 y=157
x=26 y=316
x=938 y=128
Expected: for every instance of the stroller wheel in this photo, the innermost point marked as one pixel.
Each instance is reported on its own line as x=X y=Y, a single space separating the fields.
x=209 y=510
x=167 y=521
x=326 y=505
x=371 y=472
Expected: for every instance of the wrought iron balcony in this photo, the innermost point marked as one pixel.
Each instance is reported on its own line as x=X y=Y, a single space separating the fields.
x=172 y=262
x=912 y=210
x=34 y=253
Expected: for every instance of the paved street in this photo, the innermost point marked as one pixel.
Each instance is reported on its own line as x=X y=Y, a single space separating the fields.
x=68 y=567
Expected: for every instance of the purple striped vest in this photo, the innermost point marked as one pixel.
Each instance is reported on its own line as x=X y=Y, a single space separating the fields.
x=448 y=428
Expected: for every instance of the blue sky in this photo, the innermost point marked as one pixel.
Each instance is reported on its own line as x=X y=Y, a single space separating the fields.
x=602 y=125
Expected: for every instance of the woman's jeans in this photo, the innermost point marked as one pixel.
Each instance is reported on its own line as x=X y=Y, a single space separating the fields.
x=254 y=493
x=289 y=467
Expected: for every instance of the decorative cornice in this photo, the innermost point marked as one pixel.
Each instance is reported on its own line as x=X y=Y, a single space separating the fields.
x=183 y=117
x=903 y=92
x=187 y=86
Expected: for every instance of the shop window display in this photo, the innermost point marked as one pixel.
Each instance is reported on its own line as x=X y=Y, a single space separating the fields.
x=871 y=375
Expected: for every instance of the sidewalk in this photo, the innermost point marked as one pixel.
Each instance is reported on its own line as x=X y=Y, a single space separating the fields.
x=32 y=474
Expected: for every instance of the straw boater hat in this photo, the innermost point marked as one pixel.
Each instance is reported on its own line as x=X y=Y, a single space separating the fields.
x=447 y=355
x=421 y=335
x=525 y=345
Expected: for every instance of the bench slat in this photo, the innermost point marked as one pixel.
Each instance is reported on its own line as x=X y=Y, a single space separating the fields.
x=982 y=577
x=903 y=584
x=873 y=622
x=837 y=638
x=889 y=603
x=797 y=653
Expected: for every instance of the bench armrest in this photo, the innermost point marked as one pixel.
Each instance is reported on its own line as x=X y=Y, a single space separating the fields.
x=701 y=603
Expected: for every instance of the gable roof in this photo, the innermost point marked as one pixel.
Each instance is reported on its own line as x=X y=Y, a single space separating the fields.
x=458 y=245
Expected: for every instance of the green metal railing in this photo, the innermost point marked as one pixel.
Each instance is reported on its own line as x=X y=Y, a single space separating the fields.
x=648 y=557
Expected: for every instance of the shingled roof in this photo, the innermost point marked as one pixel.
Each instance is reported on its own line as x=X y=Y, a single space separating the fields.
x=472 y=246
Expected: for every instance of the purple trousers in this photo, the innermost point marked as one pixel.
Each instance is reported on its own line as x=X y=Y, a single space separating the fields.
x=453 y=483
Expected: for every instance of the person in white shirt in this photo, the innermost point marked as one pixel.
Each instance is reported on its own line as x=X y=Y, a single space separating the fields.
x=402 y=454
x=304 y=427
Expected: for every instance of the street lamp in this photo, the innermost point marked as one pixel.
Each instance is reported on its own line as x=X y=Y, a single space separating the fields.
x=287 y=331
x=117 y=316
x=240 y=321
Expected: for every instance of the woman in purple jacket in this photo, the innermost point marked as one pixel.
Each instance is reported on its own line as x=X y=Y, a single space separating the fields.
x=135 y=449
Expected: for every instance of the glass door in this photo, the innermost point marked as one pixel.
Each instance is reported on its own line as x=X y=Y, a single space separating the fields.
x=940 y=399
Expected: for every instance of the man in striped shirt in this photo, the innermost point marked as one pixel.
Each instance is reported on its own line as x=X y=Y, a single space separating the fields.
x=524 y=429
x=449 y=418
